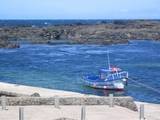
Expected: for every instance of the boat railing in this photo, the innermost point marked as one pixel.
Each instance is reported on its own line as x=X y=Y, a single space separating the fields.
x=117 y=75
x=96 y=83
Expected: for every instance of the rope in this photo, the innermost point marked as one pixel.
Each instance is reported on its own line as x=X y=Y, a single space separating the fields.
x=146 y=86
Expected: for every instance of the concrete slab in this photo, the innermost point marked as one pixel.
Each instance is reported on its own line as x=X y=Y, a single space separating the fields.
x=72 y=112
x=151 y=111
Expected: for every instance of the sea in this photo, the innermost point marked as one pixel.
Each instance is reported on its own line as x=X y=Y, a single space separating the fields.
x=63 y=66
x=42 y=23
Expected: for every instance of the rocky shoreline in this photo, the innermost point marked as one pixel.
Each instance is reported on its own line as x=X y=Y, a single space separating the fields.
x=102 y=33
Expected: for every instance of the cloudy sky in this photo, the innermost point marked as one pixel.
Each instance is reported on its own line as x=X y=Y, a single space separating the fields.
x=79 y=9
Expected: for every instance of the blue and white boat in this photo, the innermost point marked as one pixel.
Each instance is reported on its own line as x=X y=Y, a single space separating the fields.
x=112 y=78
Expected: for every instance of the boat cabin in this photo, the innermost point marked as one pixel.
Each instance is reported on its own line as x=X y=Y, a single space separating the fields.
x=112 y=74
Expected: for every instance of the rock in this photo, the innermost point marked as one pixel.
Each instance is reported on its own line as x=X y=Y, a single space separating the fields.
x=35 y=95
x=6 y=44
x=11 y=94
x=109 y=33
x=13 y=45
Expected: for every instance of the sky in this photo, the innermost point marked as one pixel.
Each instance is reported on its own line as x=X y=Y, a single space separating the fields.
x=79 y=9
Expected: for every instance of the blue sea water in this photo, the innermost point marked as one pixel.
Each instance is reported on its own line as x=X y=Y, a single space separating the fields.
x=62 y=66
x=41 y=23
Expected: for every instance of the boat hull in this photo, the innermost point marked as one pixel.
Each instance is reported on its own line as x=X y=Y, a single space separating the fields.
x=109 y=85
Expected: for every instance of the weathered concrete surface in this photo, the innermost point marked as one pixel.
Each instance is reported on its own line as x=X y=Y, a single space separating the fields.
x=151 y=111
x=96 y=112
x=102 y=112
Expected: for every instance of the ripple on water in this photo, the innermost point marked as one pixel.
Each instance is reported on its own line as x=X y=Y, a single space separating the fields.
x=62 y=66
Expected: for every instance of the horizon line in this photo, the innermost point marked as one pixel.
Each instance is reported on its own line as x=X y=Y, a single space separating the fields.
x=88 y=19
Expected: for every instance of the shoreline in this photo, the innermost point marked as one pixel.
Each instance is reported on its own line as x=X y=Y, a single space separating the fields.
x=18 y=90
x=99 y=111
x=23 y=90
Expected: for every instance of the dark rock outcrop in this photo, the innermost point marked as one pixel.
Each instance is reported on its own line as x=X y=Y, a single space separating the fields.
x=12 y=94
x=104 y=33
x=35 y=95
x=5 y=43
x=13 y=45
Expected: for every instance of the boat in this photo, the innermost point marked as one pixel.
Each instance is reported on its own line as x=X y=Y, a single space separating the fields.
x=112 y=78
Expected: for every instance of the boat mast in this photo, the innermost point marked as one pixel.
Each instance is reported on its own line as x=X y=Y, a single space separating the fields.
x=109 y=66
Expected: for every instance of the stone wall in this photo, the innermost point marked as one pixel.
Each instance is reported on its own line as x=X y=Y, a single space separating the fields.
x=24 y=101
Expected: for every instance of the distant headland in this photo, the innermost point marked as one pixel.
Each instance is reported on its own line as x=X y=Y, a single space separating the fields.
x=100 y=32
